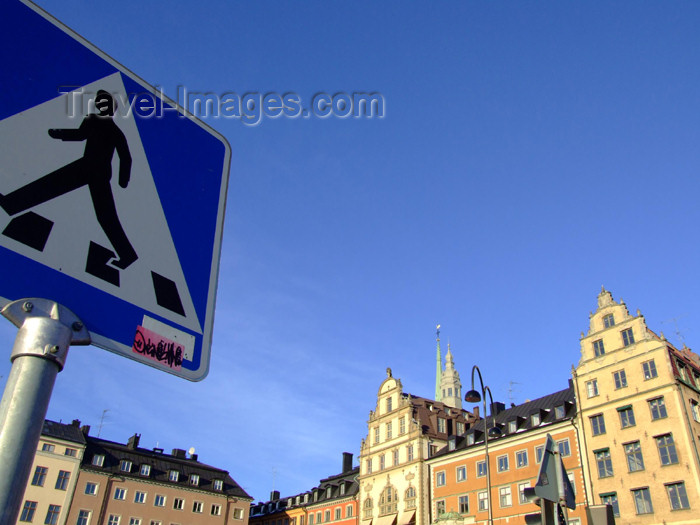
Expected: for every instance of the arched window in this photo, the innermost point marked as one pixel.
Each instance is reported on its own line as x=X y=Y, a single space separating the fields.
x=367 y=509
x=410 y=498
x=388 y=501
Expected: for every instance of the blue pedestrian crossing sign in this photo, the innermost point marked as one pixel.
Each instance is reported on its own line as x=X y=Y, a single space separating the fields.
x=112 y=197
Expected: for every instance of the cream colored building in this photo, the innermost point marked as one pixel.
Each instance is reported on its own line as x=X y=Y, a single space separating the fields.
x=639 y=408
x=54 y=474
x=403 y=432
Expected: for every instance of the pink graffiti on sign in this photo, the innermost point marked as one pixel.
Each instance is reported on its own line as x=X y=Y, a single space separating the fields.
x=157 y=348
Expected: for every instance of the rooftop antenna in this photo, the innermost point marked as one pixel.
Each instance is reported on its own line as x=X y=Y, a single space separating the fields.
x=511 y=389
x=102 y=419
x=676 y=330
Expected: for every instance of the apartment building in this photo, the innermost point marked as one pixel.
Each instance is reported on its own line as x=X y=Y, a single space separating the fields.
x=403 y=432
x=458 y=472
x=639 y=408
x=54 y=474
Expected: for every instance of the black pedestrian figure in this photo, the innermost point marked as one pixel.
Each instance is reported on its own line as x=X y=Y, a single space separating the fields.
x=94 y=170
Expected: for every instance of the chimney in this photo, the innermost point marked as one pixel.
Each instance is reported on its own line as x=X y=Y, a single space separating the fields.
x=475 y=412
x=497 y=407
x=85 y=429
x=347 y=462
x=193 y=457
x=133 y=442
x=76 y=423
x=274 y=495
x=179 y=453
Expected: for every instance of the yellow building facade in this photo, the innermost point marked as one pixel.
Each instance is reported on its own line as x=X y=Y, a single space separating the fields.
x=639 y=409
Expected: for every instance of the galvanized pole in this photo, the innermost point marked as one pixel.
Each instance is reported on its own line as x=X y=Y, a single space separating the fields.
x=46 y=330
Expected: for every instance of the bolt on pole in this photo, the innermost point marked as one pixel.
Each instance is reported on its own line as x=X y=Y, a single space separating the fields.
x=46 y=330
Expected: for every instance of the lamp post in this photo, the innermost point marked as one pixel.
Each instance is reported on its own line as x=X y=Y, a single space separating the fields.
x=473 y=396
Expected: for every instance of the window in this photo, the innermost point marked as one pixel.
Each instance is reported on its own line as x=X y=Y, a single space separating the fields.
x=483 y=500
x=197 y=507
x=559 y=411
x=602 y=459
x=194 y=479
x=677 y=496
x=402 y=426
x=695 y=410
x=460 y=428
x=658 y=408
x=173 y=475
x=409 y=452
x=620 y=379
x=521 y=458
x=440 y=479
x=342 y=487
x=52 y=515
x=114 y=519
x=338 y=513
x=91 y=488
x=592 y=388
x=125 y=465
x=381 y=462
x=410 y=498
x=598 y=348
x=461 y=473
x=441 y=425
x=388 y=501
x=521 y=492
x=480 y=469
x=376 y=435
x=611 y=499
x=368 y=466
x=119 y=493
x=83 y=517
x=39 y=476
x=98 y=460
x=72 y=452
x=440 y=507
x=627 y=337
x=642 y=501
x=62 y=480
x=608 y=321
x=389 y=431
x=470 y=439
x=388 y=404
x=135 y=521
x=504 y=496
x=237 y=514
x=649 y=369
x=572 y=480
x=48 y=447
x=348 y=511
x=139 y=497
x=327 y=516
x=667 y=449
x=626 y=416
x=311 y=519
x=145 y=470
x=28 y=511
x=159 y=500
x=539 y=453
x=564 y=447
x=156 y=522
x=395 y=454
x=598 y=424
x=512 y=427
x=633 y=452
x=218 y=484
x=535 y=419
x=178 y=503
x=502 y=463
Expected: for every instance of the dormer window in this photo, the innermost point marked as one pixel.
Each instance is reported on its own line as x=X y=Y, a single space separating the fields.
x=125 y=465
x=559 y=411
x=470 y=439
x=98 y=460
x=145 y=470
x=608 y=321
x=512 y=427
x=173 y=475
x=342 y=489
x=194 y=480
x=535 y=419
x=218 y=484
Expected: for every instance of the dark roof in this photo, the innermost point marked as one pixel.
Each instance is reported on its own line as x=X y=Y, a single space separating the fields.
x=544 y=406
x=427 y=411
x=70 y=432
x=161 y=465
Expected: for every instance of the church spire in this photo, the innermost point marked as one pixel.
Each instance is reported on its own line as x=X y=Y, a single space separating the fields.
x=438 y=373
x=451 y=386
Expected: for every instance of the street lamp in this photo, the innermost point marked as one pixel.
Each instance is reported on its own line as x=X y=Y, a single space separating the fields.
x=473 y=396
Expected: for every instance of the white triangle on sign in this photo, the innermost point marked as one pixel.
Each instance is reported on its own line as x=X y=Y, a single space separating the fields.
x=28 y=153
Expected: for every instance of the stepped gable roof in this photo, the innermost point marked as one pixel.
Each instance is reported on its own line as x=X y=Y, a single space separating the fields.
x=545 y=408
x=57 y=430
x=161 y=465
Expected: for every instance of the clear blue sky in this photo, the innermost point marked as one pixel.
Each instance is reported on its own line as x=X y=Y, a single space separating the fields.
x=530 y=152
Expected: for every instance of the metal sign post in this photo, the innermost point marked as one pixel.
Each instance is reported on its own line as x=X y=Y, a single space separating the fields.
x=46 y=330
